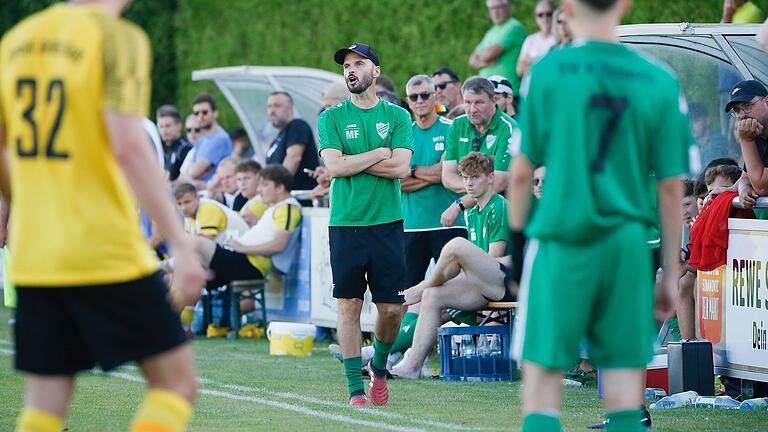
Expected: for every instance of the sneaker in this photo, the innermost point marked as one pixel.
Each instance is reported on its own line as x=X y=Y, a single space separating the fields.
x=646 y=421
x=379 y=393
x=215 y=331
x=358 y=401
x=249 y=331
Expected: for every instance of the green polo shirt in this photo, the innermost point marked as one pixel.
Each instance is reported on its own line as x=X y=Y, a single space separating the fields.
x=364 y=199
x=510 y=35
x=494 y=141
x=489 y=224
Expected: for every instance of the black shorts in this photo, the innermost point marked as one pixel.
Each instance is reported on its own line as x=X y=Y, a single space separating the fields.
x=421 y=246
x=60 y=331
x=508 y=296
x=372 y=256
x=228 y=265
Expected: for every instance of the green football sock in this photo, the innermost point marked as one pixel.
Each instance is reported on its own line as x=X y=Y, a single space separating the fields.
x=536 y=422
x=626 y=421
x=380 y=352
x=404 y=338
x=352 y=368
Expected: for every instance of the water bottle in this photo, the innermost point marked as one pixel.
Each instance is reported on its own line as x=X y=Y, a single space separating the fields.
x=726 y=402
x=757 y=404
x=467 y=346
x=455 y=346
x=494 y=345
x=747 y=389
x=654 y=393
x=704 y=402
x=483 y=349
x=197 y=326
x=675 y=401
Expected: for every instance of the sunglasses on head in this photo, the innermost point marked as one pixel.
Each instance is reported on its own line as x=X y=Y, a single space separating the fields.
x=442 y=86
x=201 y=112
x=544 y=14
x=476 y=144
x=195 y=130
x=424 y=96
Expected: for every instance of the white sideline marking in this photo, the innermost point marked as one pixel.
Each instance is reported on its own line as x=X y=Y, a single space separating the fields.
x=291 y=407
x=5 y=342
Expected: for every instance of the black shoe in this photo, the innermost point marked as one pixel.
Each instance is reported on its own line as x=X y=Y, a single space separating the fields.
x=646 y=421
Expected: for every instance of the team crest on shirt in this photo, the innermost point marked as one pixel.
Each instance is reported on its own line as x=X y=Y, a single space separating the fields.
x=382 y=129
x=489 y=140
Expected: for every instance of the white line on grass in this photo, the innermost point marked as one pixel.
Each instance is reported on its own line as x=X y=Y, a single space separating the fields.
x=5 y=342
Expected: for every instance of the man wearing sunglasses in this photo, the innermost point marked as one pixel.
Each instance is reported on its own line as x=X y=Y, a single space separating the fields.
x=214 y=143
x=447 y=90
x=749 y=104
x=499 y=50
x=484 y=128
x=539 y=43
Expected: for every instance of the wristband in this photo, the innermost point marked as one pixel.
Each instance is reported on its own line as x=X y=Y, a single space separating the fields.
x=413 y=170
x=461 y=204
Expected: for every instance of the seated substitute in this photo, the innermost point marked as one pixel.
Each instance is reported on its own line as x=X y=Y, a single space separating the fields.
x=247 y=178
x=206 y=217
x=469 y=273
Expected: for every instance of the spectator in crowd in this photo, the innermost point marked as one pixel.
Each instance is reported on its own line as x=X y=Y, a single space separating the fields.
x=497 y=53
x=223 y=186
x=294 y=146
x=247 y=178
x=334 y=93
x=538 y=181
x=384 y=82
x=689 y=208
x=538 y=44
x=366 y=144
x=206 y=217
x=467 y=274
x=456 y=112
x=241 y=144
x=712 y=144
x=749 y=104
x=741 y=12
x=560 y=28
x=485 y=129
x=175 y=147
x=391 y=97
x=447 y=90
x=503 y=94
x=214 y=143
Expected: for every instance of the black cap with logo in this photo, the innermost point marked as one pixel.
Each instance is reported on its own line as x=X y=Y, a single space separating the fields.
x=745 y=91
x=360 y=49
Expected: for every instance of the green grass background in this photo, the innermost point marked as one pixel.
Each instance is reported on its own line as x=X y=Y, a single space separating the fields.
x=103 y=403
x=411 y=37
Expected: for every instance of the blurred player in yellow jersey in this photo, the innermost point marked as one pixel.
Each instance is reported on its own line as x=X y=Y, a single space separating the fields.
x=74 y=86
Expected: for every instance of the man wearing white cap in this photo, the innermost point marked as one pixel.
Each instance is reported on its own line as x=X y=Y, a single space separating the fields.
x=504 y=96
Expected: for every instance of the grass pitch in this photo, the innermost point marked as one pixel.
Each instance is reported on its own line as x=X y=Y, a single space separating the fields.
x=245 y=389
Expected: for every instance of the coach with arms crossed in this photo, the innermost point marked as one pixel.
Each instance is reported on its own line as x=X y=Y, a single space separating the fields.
x=366 y=144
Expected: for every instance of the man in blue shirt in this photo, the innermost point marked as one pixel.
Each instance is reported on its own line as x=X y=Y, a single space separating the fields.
x=214 y=143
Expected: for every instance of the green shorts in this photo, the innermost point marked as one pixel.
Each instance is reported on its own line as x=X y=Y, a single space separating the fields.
x=601 y=292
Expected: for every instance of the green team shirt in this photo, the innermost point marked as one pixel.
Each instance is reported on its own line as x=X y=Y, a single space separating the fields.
x=488 y=225
x=600 y=117
x=510 y=35
x=422 y=208
x=364 y=199
x=495 y=141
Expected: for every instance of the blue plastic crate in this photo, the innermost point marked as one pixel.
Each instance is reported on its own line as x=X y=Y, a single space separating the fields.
x=454 y=367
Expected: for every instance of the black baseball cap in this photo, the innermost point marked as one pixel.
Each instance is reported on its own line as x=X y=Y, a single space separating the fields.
x=360 y=49
x=448 y=71
x=745 y=91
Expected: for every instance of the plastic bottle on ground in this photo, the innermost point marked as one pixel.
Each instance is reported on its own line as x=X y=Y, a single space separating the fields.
x=677 y=400
x=757 y=404
x=654 y=394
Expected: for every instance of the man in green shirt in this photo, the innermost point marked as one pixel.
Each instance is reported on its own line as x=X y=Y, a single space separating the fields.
x=600 y=117
x=483 y=128
x=366 y=144
x=468 y=274
x=497 y=52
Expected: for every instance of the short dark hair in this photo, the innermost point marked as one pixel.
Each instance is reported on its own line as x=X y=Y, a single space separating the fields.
x=689 y=187
x=447 y=71
x=238 y=133
x=205 y=97
x=699 y=189
x=476 y=163
x=169 y=111
x=386 y=82
x=478 y=85
x=278 y=174
x=280 y=92
x=249 y=165
x=599 y=5
x=733 y=173
x=184 y=188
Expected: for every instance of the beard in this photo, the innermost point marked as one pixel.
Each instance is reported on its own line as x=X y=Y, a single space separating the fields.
x=361 y=84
